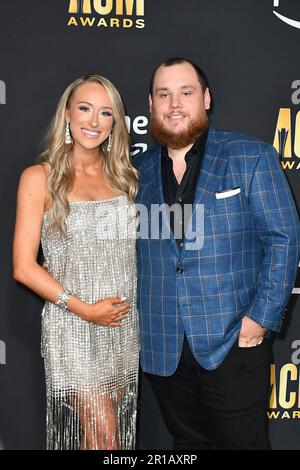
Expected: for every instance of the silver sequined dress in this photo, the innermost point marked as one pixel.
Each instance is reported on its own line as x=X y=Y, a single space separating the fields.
x=91 y=370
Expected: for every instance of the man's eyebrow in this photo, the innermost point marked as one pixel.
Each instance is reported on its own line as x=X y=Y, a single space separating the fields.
x=162 y=89
x=184 y=87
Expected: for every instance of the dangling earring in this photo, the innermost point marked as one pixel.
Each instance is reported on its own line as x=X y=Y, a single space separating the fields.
x=109 y=143
x=68 y=139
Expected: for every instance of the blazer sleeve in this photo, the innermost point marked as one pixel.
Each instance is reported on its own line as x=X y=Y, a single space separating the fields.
x=277 y=224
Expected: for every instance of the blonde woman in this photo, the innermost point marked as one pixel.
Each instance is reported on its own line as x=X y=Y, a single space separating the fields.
x=79 y=202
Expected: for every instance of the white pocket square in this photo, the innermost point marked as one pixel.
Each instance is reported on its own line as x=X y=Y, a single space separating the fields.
x=227 y=193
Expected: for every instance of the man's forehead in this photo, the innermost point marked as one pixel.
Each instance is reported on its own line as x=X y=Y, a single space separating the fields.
x=178 y=75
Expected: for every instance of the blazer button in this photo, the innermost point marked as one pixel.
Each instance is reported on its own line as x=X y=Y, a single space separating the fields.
x=179 y=270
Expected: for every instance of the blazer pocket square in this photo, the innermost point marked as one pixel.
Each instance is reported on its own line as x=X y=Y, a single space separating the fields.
x=228 y=193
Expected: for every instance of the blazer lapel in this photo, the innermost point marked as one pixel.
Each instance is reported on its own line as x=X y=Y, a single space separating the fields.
x=209 y=180
x=210 y=177
x=156 y=197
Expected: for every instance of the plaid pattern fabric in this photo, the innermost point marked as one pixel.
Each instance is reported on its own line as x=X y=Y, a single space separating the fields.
x=247 y=265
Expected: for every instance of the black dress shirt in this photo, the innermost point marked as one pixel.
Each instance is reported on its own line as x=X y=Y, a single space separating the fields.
x=184 y=192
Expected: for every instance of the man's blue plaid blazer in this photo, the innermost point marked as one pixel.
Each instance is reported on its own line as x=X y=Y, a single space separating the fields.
x=247 y=265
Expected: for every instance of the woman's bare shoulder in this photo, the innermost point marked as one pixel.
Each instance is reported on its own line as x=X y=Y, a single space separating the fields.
x=33 y=181
x=35 y=173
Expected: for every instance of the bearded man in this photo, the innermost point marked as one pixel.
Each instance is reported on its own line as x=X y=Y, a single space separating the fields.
x=211 y=293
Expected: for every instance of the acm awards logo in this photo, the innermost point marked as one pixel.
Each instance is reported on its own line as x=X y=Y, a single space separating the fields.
x=285 y=19
x=285 y=388
x=287 y=133
x=2 y=92
x=124 y=14
x=285 y=392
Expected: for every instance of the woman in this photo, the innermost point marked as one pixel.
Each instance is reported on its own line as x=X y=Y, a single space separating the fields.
x=79 y=202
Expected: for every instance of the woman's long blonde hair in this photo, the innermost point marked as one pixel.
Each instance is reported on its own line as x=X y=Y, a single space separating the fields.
x=117 y=167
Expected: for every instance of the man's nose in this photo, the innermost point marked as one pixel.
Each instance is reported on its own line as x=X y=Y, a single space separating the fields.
x=175 y=101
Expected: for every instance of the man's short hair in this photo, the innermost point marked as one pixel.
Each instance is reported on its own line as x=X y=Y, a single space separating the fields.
x=180 y=60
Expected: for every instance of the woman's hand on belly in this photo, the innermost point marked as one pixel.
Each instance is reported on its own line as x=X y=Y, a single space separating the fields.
x=106 y=312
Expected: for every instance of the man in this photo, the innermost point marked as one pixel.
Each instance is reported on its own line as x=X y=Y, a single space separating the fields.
x=206 y=306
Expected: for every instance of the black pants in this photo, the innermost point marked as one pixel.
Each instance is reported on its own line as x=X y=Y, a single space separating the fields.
x=223 y=409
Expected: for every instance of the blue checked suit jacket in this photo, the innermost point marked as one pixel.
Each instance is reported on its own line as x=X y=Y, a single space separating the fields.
x=247 y=265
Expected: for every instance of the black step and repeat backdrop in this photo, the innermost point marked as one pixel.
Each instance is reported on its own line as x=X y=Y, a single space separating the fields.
x=250 y=51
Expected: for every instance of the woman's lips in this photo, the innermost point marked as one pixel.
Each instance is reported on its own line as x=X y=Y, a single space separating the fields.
x=90 y=134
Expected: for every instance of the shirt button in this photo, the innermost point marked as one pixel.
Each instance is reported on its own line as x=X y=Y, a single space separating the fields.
x=180 y=199
x=179 y=270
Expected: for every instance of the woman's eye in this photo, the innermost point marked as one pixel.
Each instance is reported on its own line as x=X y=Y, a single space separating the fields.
x=106 y=113
x=84 y=108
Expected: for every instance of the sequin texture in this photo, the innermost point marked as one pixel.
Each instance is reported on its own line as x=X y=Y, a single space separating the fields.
x=91 y=370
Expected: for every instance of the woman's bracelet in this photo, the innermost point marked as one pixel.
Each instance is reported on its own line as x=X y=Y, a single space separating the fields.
x=63 y=298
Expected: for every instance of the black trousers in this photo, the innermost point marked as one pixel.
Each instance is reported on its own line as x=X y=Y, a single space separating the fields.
x=223 y=409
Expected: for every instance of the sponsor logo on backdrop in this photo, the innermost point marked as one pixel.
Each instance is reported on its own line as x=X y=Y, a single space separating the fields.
x=138 y=126
x=2 y=92
x=287 y=132
x=123 y=14
x=2 y=353
x=296 y=353
x=290 y=21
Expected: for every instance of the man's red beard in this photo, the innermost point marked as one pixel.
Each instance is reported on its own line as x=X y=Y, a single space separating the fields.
x=178 y=140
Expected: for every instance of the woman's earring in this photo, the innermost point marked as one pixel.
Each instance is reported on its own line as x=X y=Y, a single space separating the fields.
x=109 y=143
x=68 y=139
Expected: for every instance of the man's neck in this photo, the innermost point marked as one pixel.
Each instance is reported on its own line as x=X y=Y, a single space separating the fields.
x=179 y=154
